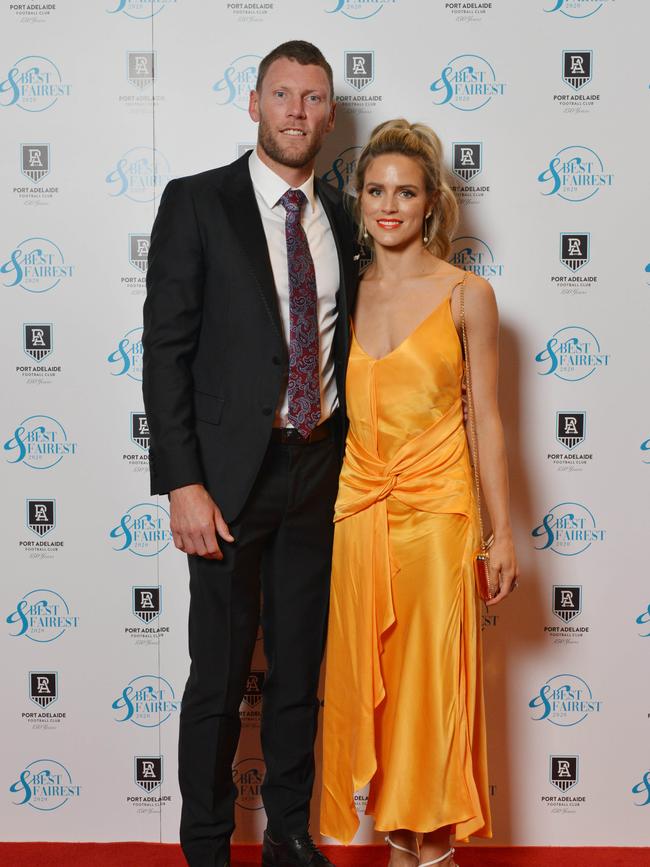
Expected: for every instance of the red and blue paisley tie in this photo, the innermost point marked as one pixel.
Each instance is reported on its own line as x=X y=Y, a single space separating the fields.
x=304 y=355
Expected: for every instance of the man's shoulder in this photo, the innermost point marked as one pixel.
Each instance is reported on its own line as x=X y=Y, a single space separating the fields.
x=213 y=178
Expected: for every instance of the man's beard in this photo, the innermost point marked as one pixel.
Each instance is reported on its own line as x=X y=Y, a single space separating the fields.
x=286 y=157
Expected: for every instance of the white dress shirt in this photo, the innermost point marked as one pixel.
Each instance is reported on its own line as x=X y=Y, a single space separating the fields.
x=269 y=189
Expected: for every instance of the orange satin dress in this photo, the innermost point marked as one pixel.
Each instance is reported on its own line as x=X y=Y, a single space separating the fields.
x=403 y=695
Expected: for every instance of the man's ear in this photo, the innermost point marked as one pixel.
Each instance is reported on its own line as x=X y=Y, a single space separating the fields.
x=332 y=117
x=254 y=106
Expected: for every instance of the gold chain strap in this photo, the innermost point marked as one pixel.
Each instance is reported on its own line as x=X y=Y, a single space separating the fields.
x=472 y=420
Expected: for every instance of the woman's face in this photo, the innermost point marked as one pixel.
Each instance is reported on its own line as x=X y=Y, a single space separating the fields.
x=394 y=201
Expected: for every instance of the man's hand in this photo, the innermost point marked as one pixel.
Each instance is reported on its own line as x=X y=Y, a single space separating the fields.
x=195 y=522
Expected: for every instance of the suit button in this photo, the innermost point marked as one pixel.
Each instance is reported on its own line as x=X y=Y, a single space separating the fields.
x=276 y=360
x=267 y=410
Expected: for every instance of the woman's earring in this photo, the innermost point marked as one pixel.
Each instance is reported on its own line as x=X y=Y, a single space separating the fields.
x=365 y=233
x=425 y=239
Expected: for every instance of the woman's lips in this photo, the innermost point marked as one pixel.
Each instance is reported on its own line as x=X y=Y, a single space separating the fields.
x=389 y=224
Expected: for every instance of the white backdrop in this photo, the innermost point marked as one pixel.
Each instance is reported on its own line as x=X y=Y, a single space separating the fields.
x=544 y=105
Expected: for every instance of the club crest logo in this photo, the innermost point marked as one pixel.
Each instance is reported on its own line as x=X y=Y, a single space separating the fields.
x=38 y=340
x=148 y=772
x=564 y=772
x=36 y=265
x=140 y=68
x=140 y=9
x=239 y=78
x=575 y=174
x=35 y=161
x=42 y=615
x=358 y=9
x=642 y=790
x=33 y=84
x=41 y=516
x=248 y=776
x=467 y=160
x=576 y=68
x=39 y=442
x=139 y=250
x=571 y=428
x=359 y=68
x=468 y=82
x=43 y=687
x=572 y=353
x=45 y=785
x=254 y=686
x=473 y=254
x=140 y=175
x=140 y=430
x=147 y=603
x=127 y=358
x=567 y=602
x=147 y=701
x=143 y=530
x=574 y=249
x=576 y=8
x=564 y=700
x=643 y=620
x=341 y=173
x=568 y=529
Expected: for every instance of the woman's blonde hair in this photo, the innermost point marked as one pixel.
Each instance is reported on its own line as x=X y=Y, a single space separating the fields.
x=420 y=142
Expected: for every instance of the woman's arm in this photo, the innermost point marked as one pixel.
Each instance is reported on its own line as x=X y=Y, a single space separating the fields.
x=482 y=327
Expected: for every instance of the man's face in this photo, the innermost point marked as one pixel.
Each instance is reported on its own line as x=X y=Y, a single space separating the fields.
x=295 y=111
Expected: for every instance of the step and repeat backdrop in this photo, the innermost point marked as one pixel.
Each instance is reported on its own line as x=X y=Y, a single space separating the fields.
x=543 y=109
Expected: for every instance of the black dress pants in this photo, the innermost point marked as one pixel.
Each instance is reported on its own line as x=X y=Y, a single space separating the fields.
x=282 y=552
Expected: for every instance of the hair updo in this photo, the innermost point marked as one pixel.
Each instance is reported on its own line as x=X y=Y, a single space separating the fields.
x=420 y=142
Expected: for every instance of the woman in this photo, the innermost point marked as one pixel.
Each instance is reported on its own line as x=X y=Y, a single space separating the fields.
x=403 y=697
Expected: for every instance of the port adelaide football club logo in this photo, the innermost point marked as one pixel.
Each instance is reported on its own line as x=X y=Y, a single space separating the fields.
x=40 y=518
x=148 y=775
x=359 y=74
x=146 y=607
x=468 y=11
x=570 y=433
x=577 y=96
x=566 y=606
x=250 y=711
x=563 y=776
x=134 y=277
x=35 y=164
x=467 y=164
x=245 y=12
x=574 y=255
x=140 y=74
x=32 y=13
x=43 y=691
x=138 y=460
x=37 y=340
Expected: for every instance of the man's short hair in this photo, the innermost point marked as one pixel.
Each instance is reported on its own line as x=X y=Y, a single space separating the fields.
x=303 y=53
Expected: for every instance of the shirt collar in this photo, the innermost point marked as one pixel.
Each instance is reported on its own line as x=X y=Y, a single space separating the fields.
x=272 y=187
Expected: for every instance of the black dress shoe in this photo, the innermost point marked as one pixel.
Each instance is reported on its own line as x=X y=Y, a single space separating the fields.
x=293 y=852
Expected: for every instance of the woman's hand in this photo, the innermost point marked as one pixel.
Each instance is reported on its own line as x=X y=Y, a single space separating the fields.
x=504 y=572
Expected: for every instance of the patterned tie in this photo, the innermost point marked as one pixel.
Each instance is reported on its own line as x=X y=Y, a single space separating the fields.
x=304 y=354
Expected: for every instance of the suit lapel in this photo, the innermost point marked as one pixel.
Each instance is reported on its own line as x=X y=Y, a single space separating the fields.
x=339 y=231
x=246 y=224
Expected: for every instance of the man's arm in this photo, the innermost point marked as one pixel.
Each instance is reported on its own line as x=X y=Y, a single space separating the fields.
x=172 y=321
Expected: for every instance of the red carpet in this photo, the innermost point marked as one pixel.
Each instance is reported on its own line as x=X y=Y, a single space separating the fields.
x=154 y=855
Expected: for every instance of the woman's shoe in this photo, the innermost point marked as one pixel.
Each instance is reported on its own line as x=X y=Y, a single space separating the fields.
x=442 y=858
x=401 y=848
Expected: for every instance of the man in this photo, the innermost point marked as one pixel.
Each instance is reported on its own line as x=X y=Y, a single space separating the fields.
x=250 y=286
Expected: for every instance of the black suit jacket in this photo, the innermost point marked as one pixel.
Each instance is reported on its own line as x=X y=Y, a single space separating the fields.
x=215 y=359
